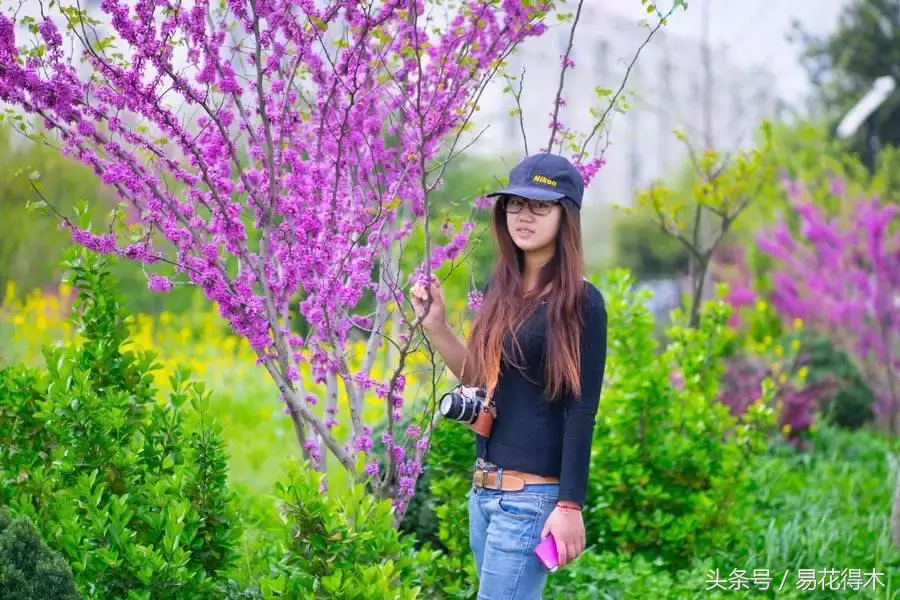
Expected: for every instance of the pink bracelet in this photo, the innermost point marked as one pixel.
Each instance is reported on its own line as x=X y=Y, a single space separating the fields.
x=567 y=507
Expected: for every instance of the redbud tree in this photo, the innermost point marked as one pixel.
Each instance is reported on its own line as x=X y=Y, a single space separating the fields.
x=840 y=274
x=277 y=154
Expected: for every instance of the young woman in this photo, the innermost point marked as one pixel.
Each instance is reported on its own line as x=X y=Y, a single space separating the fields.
x=540 y=338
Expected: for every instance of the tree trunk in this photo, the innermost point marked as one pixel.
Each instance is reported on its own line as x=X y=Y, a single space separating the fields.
x=895 y=506
x=699 y=271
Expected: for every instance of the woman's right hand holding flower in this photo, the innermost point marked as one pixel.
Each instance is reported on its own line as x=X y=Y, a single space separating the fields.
x=435 y=317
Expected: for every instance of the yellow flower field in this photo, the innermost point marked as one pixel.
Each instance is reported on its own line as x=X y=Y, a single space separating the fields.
x=259 y=435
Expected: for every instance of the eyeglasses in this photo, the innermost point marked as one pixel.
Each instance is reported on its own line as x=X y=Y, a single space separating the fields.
x=514 y=205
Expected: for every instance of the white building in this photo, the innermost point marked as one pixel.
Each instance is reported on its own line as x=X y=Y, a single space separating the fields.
x=666 y=92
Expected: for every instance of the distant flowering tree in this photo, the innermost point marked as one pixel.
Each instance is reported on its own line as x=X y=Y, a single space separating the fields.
x=724 y=186
x=278 y=154
x=841 y=276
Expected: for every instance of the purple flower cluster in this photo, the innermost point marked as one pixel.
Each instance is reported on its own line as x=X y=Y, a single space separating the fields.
x=312 y=449
x=363 y=442
x=104 y=243
x=474 y=300
x=159 y=284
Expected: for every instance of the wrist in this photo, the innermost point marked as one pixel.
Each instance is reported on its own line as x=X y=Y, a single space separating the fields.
x=568 y=505
x=435 y=328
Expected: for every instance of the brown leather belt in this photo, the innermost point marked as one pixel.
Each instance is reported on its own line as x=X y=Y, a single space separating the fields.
x=506 y=480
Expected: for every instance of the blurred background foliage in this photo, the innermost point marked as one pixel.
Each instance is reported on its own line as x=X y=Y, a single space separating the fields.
x=31 y=242
x=843 y=64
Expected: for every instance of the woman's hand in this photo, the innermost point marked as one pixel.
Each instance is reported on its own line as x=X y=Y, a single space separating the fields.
x=567 y=528
x=435 y=317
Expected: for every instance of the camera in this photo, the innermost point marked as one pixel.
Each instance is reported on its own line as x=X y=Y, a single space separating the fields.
x=462 y=404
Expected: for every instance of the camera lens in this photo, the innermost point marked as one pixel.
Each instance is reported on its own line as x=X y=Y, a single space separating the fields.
x=460 y=407
x=453 y=406
x=446 y=405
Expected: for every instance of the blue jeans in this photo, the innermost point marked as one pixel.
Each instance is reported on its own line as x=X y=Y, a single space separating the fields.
x=504 y=530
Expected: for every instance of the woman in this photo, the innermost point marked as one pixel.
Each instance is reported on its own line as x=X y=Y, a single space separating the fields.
x=540 y=337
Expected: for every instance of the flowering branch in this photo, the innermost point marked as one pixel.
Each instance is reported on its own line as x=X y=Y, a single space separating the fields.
x=566 y=64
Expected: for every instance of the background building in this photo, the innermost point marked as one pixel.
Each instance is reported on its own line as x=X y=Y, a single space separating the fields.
x=666 y=90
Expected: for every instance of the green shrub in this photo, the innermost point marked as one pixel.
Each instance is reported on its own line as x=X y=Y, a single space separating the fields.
x=451 y=454
x=342 y=544
x=129 y=487
x=851 y=403
x=336 y=546
x=668 y=464
x=438 y=513
x=29 y=570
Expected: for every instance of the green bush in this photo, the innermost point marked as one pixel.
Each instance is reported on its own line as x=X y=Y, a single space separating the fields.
x=335 y=546
x=451 y=455
x=29 y=570
x=342 y=544
x=438 y=514
x=668 y=464
x=130 y=488
x=851 y=404
x=643 y=248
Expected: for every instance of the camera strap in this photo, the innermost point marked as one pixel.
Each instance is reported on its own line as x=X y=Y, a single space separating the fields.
x=489 y=405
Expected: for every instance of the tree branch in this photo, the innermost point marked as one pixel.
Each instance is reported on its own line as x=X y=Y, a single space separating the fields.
x=562 y=77
x=612 y=102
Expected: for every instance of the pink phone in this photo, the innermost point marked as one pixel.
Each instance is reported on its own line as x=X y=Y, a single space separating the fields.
x=546 y=553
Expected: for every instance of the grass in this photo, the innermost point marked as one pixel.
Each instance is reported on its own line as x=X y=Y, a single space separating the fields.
x=827 y=507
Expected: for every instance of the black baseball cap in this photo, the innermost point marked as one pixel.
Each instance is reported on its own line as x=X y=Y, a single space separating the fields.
x=545 y=178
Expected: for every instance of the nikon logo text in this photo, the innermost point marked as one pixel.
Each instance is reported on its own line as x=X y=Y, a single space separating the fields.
x=544 y=180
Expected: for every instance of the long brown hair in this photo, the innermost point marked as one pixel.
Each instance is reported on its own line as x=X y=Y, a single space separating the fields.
x=506 y=306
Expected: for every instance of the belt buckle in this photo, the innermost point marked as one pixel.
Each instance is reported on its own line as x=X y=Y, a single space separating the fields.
x=482 y=481
x=479 y=481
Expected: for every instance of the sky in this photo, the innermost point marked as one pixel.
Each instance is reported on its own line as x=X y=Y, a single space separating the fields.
x=754 y=30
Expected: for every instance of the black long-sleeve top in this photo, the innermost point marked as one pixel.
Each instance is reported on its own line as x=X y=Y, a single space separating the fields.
x=541 y=436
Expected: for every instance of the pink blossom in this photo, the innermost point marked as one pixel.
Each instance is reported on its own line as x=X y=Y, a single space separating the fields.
x=159 y=284
x=474 y=300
